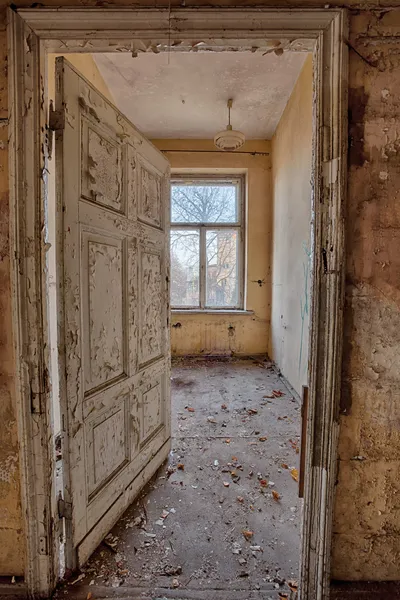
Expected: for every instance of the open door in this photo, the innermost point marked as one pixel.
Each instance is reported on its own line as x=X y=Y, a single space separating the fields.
x=113 y=301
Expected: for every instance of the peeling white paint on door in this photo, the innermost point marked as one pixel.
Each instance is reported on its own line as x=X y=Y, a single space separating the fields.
x=114 y=188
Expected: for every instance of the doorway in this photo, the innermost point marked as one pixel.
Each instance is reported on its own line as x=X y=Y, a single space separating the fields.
x=323 y=261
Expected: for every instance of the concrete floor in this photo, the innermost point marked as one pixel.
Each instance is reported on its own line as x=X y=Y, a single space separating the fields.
x=208 y=525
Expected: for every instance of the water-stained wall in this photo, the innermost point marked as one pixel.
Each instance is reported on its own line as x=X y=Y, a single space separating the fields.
x=291 y=263
x=11 y=534
x=240 y=333
x=367 y=516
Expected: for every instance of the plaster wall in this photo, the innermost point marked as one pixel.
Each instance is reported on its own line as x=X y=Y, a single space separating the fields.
x=11 y=531
x=240 y=333
x=366 y=541
x=291 y=191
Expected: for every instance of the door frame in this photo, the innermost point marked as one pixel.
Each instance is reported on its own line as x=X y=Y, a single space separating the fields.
x=34 y=32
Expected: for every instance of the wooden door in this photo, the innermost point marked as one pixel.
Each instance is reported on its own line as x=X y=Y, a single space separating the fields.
x=113 y=258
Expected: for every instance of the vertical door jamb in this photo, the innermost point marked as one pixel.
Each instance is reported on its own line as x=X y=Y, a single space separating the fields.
x=28 y=233
x=326 y=330
x=27 y=200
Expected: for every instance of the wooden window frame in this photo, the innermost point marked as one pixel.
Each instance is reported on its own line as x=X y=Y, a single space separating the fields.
x=239 y=225
x=34 y=32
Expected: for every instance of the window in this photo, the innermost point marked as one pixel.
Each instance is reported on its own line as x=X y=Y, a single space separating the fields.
x=207 y=243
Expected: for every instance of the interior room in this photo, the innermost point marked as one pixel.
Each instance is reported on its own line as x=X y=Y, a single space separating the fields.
x=229 y=426
x=223 y=512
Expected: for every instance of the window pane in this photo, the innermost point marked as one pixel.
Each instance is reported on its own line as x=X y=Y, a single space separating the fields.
x=204 y=203
x=185 y=261
x=222 y=267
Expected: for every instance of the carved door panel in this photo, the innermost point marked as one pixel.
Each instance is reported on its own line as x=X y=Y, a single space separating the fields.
x=113 y=270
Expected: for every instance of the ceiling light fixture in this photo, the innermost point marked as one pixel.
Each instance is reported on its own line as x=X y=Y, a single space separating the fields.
x=229 y=139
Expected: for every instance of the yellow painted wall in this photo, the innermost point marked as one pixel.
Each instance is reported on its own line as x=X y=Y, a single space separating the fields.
x=85 y=64
x=291 y=189
x=231 y=334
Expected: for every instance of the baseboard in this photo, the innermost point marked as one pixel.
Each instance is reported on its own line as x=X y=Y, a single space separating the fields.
x=365 y=590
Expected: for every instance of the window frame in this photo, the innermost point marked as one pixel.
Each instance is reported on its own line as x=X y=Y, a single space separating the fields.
x=240 y=225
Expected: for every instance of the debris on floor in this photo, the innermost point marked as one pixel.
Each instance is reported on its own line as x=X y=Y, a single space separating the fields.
x=223 y=514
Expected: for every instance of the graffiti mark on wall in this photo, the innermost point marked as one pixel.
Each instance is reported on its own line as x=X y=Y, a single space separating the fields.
x=304 y=300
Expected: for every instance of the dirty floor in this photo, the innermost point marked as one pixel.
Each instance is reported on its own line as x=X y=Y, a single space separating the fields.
x=222 y=518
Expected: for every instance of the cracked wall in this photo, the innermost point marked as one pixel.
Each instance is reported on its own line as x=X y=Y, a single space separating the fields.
x=366 y=524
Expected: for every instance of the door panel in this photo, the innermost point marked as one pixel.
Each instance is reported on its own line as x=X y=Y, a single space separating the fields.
x=114 y=306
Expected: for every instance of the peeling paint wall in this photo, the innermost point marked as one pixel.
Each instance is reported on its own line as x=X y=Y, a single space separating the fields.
x=291 y=263
x=231 y=334
x=11 y=523
x=367 y=516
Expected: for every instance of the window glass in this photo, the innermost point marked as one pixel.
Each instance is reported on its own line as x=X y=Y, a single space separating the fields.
x=204 y=203
x=185 y=267
x=222 y=268
x=206 y=242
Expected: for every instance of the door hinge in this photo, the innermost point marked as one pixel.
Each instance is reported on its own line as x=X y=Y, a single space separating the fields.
x=64 y=508
x=56 y=118
x=43 y=546
x=36 y=402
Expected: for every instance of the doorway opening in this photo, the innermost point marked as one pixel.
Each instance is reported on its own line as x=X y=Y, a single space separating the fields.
x=122 y=240
x=223 y=513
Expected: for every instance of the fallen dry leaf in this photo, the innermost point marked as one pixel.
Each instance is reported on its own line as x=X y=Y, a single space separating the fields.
x=284 y=466
x=263 y=482
x=294 y=586
x=269 y=396
x=234 y=459
x=278 y=393
x=89 y=595
x=252 y=411
x=190 y=409
x=227 y=441
x=295 y=446
x=240 y=499
x=275 y=495
x=248 y=534
x=180 y=467
x=295 y=474
x=226 y=483
x=262 y=439
x=223 y=406
x=283 y=595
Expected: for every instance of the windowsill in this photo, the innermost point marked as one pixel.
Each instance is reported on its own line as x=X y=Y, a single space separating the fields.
x=209 y=311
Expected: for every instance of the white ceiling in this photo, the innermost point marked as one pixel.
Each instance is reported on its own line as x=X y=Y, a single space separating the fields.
x=187 y=97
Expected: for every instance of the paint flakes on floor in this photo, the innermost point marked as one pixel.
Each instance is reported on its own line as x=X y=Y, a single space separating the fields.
x=223 y=514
